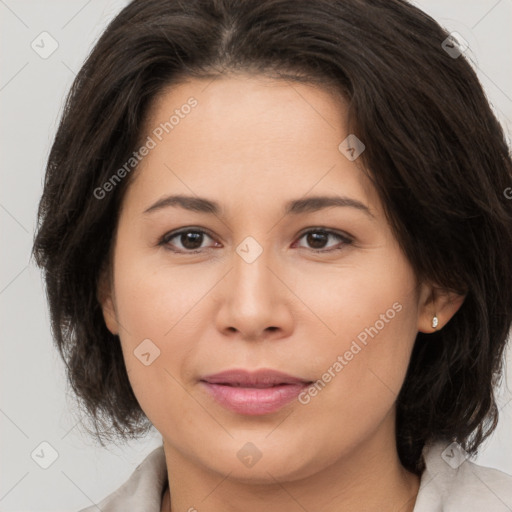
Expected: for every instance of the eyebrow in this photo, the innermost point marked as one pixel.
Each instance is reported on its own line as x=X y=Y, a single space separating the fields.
x=293 y=207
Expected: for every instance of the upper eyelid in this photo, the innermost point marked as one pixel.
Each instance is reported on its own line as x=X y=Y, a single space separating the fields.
x=330 y=231
x=173 y=234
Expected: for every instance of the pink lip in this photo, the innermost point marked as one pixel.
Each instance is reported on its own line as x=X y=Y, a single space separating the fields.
x=253 y=393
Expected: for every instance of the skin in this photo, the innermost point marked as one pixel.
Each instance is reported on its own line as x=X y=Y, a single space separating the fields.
x=252 y=144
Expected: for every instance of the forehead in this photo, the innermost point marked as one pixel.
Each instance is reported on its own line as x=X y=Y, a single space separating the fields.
x=248 y=111
x=250 y=134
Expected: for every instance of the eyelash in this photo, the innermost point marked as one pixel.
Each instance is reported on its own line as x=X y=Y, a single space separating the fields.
x=165 y=240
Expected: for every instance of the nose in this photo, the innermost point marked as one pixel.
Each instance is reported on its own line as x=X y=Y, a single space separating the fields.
x=256 y=303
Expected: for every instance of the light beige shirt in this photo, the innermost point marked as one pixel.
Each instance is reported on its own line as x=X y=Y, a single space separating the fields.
x=450 y=483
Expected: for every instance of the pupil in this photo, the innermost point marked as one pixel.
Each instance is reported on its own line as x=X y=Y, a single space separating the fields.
x=189 y=240
x=314 y=238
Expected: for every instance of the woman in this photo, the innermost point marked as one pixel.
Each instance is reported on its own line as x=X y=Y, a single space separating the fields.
x=278 y=232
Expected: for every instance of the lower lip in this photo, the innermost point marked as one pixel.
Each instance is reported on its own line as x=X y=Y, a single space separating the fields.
x=254 y=401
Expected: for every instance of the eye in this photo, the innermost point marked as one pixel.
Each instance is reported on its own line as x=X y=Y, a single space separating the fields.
x=318 y=238
x=189 y=240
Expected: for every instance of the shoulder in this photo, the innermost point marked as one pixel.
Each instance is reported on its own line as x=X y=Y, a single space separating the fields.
x=142 y=492
x=451 y=482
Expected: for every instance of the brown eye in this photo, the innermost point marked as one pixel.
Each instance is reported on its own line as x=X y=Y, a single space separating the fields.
x=317 y=239
x=189 y=240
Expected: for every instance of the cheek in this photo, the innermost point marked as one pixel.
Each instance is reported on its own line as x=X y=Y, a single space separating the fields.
x=366 y=319
x=154 y=300
x=156 y=351
x=364 y=300
x=156 y=311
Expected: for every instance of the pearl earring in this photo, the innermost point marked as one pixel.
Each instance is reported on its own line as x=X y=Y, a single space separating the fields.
x=435 y=322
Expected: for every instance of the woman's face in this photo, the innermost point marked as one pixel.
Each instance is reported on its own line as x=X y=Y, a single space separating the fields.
x=273 y=279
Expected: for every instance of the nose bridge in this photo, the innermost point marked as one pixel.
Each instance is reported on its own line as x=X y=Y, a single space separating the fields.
x=251 y=275
x=253 y=296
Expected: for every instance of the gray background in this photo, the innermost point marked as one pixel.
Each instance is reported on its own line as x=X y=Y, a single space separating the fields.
x=35 y=402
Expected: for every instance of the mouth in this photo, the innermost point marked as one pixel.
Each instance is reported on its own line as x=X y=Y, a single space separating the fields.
x=254 y=386
x=253 y=393
x=263 y=378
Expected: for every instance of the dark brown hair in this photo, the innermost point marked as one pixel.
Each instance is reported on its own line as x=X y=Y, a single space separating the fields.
x=434 y=151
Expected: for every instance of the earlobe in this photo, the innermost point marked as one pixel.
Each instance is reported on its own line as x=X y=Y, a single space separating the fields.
x=109 y=315
x=438 y=309
x=104 y=296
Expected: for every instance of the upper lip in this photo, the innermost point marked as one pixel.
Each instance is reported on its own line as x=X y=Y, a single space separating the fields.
x=257 y=379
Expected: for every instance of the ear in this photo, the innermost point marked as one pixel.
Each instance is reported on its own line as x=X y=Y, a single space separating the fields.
x=105 y=297
x=439 y=302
